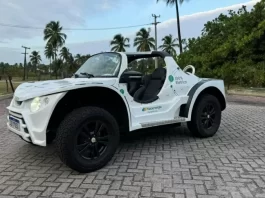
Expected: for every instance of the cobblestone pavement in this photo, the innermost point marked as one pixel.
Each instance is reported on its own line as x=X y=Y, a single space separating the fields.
x=162 y=163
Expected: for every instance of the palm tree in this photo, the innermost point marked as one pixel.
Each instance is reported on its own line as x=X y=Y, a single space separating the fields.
x=57 y=66
x=71 y=62
x=185 y=44
x=78 y=56
x=119 y=43
x=169 y=44
x=49 y=52
x=143 y=41
x=175 y=2
x=78 y=59
x=35 y=59
x=53 y=34
x=64 y=53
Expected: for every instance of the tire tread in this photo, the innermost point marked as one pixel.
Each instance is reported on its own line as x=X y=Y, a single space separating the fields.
x=192 y=125
x=66 y=128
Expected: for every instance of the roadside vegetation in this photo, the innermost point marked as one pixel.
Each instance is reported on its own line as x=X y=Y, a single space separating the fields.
x=230 y=47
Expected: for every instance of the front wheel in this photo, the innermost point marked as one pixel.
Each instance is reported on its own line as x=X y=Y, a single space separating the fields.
x=206 y=116
x=87 y=139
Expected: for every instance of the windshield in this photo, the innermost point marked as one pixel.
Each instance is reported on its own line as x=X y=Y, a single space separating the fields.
x=100 y=65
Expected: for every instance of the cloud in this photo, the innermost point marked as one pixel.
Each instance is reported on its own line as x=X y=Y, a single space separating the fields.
x=37 y=13
x=106 y=5
x=191 y=26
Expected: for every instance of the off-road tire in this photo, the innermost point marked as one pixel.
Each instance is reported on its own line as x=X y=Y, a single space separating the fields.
x=195 y=126
x=67 y=135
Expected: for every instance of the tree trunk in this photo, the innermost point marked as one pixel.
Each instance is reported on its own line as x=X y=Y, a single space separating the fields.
x=10 y=82
x=228 y=85
x=6 y=85
x=55 y=61
x=39 y=76
x=50 y=70
x=56 y=74
x=178 y=24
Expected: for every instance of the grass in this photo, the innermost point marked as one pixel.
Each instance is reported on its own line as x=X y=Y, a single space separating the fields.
x=34 y=78
x=3 y=88
x=17 y=81
x=234 y=90
x=247 y=92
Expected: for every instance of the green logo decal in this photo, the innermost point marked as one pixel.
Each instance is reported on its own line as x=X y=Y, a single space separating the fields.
x=151 y=108
x=122 y=91
x=171 y=78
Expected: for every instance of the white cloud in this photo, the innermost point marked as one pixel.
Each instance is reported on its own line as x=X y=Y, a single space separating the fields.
x=37 y=13
x=191 y=25
x=106 y=5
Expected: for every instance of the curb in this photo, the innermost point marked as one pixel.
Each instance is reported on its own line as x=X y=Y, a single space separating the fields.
x=7 y=96
x=246 y=94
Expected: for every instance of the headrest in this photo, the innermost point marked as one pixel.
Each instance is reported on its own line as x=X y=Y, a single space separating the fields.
x=159 y=73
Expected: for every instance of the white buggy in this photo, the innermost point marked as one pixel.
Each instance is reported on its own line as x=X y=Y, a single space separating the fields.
x=85 y=114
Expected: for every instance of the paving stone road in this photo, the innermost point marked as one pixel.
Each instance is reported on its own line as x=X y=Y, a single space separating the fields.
x=162 y=163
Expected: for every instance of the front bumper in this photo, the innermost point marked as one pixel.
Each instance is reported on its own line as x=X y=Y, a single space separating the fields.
x=23 y=130
x=32 y=126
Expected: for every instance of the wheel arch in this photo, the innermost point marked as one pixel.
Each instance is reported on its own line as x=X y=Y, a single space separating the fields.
x=203 y=87
x=106 y=97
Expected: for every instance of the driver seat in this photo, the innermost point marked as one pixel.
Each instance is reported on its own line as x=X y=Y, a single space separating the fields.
x=152 y=84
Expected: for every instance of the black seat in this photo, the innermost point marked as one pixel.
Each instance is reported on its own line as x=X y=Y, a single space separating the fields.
x=133 y=86
x=152 y=84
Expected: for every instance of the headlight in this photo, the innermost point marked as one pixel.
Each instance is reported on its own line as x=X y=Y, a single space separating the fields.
x=35 y=104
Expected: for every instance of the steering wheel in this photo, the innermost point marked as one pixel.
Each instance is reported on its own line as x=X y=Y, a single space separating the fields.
x=189 y=67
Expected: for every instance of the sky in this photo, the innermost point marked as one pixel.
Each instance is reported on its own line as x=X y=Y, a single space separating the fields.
x=93 y=14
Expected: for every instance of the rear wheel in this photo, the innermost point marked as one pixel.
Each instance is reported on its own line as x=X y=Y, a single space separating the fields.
x=206 y=116
x=87 y=139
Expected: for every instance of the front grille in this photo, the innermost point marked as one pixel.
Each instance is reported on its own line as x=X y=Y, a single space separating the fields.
x=15 y=114
x=20 y=117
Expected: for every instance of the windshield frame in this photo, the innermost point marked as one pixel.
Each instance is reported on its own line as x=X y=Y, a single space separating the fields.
x=117 y=70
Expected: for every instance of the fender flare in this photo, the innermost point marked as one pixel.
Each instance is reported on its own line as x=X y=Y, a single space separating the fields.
x=195 y=91
x=111 y=88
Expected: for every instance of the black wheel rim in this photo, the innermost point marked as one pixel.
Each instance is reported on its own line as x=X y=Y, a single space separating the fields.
x=208 y=116
x=92 y=139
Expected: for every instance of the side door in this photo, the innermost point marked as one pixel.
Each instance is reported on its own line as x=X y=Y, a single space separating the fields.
x=165 y=109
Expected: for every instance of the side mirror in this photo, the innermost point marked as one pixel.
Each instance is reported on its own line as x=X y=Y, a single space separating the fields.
x=128 y=76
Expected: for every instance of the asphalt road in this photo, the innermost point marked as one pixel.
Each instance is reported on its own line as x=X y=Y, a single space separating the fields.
x=158 y=163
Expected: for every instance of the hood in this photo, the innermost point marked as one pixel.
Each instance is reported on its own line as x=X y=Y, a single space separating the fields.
x=30 y=90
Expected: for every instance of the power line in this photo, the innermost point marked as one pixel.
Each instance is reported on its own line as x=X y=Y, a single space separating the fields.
x=71 y=29
x=11 y=48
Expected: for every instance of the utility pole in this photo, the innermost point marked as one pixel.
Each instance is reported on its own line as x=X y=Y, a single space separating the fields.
x=179 y=32
x=155 y=23
x=25 y=61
